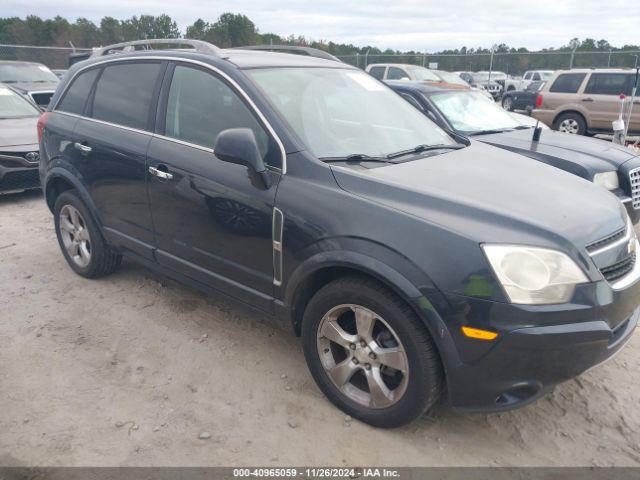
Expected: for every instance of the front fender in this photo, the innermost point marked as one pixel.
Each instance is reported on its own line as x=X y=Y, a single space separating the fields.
x=422 y=296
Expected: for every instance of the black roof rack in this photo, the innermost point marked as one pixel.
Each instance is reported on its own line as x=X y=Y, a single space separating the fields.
x=125 y=47
x=311 y=52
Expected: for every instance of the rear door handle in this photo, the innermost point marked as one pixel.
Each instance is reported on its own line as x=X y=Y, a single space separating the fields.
x=587 y=99
x=160 y=172
x=83 y=148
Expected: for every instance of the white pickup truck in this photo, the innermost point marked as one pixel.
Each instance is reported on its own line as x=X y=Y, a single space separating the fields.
x=528 y=77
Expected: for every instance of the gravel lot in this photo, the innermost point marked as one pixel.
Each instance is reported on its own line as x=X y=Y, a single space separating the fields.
x=134 y=368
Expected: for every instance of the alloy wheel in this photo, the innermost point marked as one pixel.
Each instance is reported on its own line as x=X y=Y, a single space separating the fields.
x=569 y=125
x=362 y=356
x=75 y=236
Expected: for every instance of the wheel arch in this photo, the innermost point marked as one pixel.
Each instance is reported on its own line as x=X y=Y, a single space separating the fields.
x=60 y=180
x=325 y=267
x=569 y=110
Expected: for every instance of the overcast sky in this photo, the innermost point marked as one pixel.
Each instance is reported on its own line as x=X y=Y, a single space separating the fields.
x=423 y=25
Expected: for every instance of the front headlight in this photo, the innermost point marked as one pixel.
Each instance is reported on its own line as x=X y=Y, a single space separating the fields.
x=608 y=180
x=533 y=275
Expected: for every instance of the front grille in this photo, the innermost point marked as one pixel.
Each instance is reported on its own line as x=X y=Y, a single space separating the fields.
x=606 y=241
x=20 y=180
x=19 y=159
x=634 y=180
x=619 y=269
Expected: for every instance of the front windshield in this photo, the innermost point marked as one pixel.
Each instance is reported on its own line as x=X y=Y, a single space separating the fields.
x=470 y=112
x=340 y=112
x=424 y=75
x=452 y=78
x=14 y=106
x=26 y=72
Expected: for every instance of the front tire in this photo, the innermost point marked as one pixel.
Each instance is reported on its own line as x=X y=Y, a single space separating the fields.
x=80 y=240
x=369 y=353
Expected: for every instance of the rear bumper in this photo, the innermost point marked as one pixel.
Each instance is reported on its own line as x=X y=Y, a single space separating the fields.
x=547 y=345
x=545 y=116
x=15 y=179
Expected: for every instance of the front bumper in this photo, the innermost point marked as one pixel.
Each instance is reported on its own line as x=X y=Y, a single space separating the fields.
x=537 y=346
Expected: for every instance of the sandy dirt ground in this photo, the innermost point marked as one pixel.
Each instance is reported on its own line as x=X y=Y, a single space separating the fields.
x=134 y=369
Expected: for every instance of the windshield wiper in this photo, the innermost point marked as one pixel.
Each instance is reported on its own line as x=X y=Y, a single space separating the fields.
x=425 y=148
x=356 y=157
x=524 y=127
x=489 y=132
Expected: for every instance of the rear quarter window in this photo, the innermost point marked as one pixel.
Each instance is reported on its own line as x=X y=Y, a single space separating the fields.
x=609 y=84
x=568 y=83
x=124 y=94
x=78 y=92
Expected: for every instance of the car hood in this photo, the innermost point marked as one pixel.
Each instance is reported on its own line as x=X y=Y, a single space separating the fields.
x=26 y=87
x=491 y=195
x=582 y=156
x=18 y=131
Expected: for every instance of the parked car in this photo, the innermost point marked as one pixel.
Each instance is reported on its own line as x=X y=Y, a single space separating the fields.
x=586 y=101
x=451 y=78
x=409 y=259
x=403 y=71
x=522 y=99
x=610 y=166
x=32 y=80
x=480 y=80
x=529 y=77
x=19 y=156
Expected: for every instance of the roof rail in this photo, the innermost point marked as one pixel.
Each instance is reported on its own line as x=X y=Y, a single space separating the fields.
x=125 y=47
x=311 y=52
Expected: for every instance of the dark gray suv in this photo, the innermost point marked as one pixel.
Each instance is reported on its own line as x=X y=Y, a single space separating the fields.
x=410 y=260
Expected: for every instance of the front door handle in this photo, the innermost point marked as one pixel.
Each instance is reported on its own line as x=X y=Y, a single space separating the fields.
x=587 y=99
x=161 y=173
x=83 y=148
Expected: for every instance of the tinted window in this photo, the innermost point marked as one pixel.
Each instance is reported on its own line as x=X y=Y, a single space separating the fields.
x=535 y=76
x=200 y=106
x=527 y=75
x=568 y=83
x=395 y=73
x=124 y=93
x=377 y=72
x=609 y=84
x=77 y=94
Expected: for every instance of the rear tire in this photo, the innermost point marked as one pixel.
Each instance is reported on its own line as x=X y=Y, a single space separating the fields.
x=371 y=329
x=80 y=240
x=507 y=103
x=572 y=123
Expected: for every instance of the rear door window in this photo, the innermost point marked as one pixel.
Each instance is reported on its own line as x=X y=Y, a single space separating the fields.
x=377 y=72
x=124 y=94
x=75 y=98
x=568 y=83
x=535 y=76
x=609 y=84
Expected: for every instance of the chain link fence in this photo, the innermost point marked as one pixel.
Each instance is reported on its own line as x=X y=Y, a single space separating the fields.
x=509 y=63
x=52 y=57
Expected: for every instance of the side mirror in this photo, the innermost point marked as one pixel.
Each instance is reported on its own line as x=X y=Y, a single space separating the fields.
x=239 y=146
